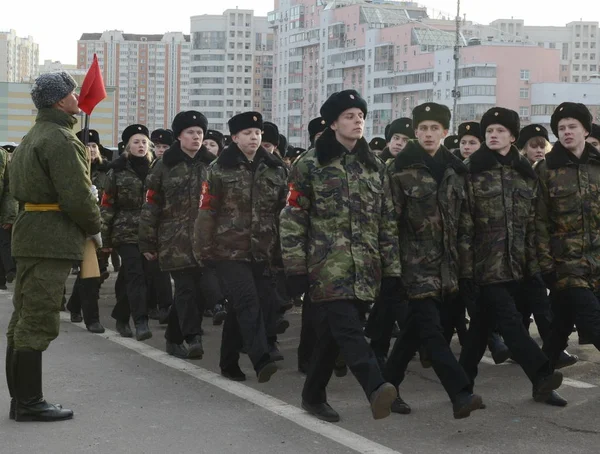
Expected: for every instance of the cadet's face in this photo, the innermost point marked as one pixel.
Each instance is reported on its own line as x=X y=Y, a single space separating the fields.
x=248 y=140
x=571 y=133
x=138 y=145
x=397 y=143
x=593 y=142
x=534 y=151
x=350 y=124
x=69 y=104
x=268 y=146
x=211 y=146
x=498 y=138
x=191 y=139
x=430 y=134
x=159 y=149
x=469 y=145
x=94 y=150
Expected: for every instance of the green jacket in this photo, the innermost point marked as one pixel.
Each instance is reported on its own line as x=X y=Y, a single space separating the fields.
x=8 y=205
x=50 y=166
x=239 y=210
x=428 y=219
x=338 y=226
x=169 y=213
x=497 y=243
x=100 y=177
x=122 y=203
x=568 y=217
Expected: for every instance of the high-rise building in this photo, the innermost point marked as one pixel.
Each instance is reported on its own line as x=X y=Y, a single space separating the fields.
x=231 y=66
x=150 y=74
x=19 y=58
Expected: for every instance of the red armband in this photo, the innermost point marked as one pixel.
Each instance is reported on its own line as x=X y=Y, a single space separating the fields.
x=205 y=197
x=150 y=196
x=106 y=200
x=292 y=198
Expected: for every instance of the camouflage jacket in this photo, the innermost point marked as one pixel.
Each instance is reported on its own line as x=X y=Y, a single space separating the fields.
x=568 y=217
x=239 y=210
x=498 y=239
x=121 y=204
x=338 y=226
x=428 y=219
x=50 y=166
x=171 y=208
x=100 y=176
x=8 y=205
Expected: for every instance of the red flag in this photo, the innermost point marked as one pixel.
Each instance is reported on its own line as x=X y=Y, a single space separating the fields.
x=92 y=90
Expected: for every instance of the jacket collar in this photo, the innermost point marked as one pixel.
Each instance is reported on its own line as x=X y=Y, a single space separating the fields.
x=232 y=157
x=175 y=155
x=385 y=154
x=560 y=157
x=414 y=155
x=121 y=163
x=103 y=167
x=483 y=159
x=327 y=148
x=52 y=115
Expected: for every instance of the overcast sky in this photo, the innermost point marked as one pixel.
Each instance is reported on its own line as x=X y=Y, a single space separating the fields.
x=56 y=27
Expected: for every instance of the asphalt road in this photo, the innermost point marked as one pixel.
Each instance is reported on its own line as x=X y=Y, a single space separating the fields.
x=130 y=397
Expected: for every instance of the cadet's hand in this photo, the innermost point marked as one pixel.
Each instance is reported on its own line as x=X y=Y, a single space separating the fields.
x=97 y=239
x=150 y=256
x=7 y=226
x=297 y=285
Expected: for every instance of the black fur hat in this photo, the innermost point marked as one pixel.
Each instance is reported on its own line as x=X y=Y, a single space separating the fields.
x=431 y=111
x=469 y=128
x=270 y=133
x=529 y=132
x=452 y=142
x=341 y=101
x=188 y=119
x=162 y=136
x=316 y=126
x=131 y=131
x=93 y=136
x=245 y=120
x=574 y=110
x=402 y=126
x=377 y=143
x=501 y=116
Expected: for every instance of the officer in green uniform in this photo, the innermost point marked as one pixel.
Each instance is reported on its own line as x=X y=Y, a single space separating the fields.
x=50 y=178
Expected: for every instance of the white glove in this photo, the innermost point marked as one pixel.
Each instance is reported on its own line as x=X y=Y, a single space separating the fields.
x=97 y=238
x=94 y=191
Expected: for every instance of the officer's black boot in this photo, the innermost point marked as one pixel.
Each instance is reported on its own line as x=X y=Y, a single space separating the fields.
x=9 y=380
x=142 y=330
x=30 y=403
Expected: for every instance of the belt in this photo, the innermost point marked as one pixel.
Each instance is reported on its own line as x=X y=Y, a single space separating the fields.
x=42 y=207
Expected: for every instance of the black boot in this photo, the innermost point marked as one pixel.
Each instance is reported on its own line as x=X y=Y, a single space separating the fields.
x=95 y=327
x=323 y=411
x=500 y=352
x=219 y=313
x=124 y=329
x=142 y=331
x=27 y=376
x=163 y=316
x=565 y=360
x=195 y=348
x=400 y=407
x=465 y=403
x=9 y=380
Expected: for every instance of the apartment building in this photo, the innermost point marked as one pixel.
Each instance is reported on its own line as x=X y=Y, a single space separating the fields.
x=19 y=57
x=150 y=74
x=231 y=65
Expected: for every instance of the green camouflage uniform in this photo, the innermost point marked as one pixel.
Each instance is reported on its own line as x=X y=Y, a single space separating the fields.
x=169 y=214
x=497 y=243
x=428 y=219
x=568 y=218
x=338 y=226
x=48 y=167
x=239 y=208
x=8 y=205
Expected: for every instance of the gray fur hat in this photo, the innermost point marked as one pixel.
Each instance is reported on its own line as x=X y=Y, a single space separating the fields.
x=50 y=88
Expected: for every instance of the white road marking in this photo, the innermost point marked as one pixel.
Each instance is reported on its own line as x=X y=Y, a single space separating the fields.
x=291 y=413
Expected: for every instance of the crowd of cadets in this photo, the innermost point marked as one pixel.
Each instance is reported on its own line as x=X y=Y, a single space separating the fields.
x=424 y=225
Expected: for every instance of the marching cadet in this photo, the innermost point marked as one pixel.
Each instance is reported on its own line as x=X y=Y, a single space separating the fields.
x=340 y=246
x=213 y=142
x=397 y=135
x=86 y=292
x=533 y=143
x=469 y=139
x=316 y=127
x=167 y=229
x=452 y=143
x=292 y=155
x=568 y=228
x=428 y=186
x=49 y=176
x=237 y=230
x=377 y=144
x=121 y=207
x=593 y=139
x=162 y=140
x=497 y=247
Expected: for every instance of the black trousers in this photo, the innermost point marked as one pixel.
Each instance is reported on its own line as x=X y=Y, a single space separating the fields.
x=572 y=306
x=497 y=303
x=385 y=313
x=249 y=293
x=185 y=315
x=339 y=330
x=6 y=252
x=452 y=317
x=424 y=328
x=130 y=288
x=84 y=298
x=532 y=299
x=211 y=287
x=308 y=335
x=160 y=291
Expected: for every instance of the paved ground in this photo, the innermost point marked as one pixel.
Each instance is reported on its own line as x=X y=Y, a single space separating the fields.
x=130 y=397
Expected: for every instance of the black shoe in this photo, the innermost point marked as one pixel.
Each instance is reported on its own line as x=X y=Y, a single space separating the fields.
x=177 y=350
x=153 y=314
x=10 y=277
x=323 y=411
x=424 y=358
x=548 y=383
x=208 y=313
x=382 y=399
x=465 y=403
x=142 y=331
x=219 y=314
x=400 y=407
x=233 y=373
x=282 y=325
x=274 y=352
x=95 y=327
x=76 y=318
x=195 y=349
x=265 y=373
x=498 y=349
x=551 y=398
x=565 y=360
x=163 y=316
x=124 y=329
x=30 y=403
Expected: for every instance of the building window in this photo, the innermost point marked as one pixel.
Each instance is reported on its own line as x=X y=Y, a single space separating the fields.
x=524 y=93
x=523 y=112
x=524 y=74
x=577 y=55
x=447 y=75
